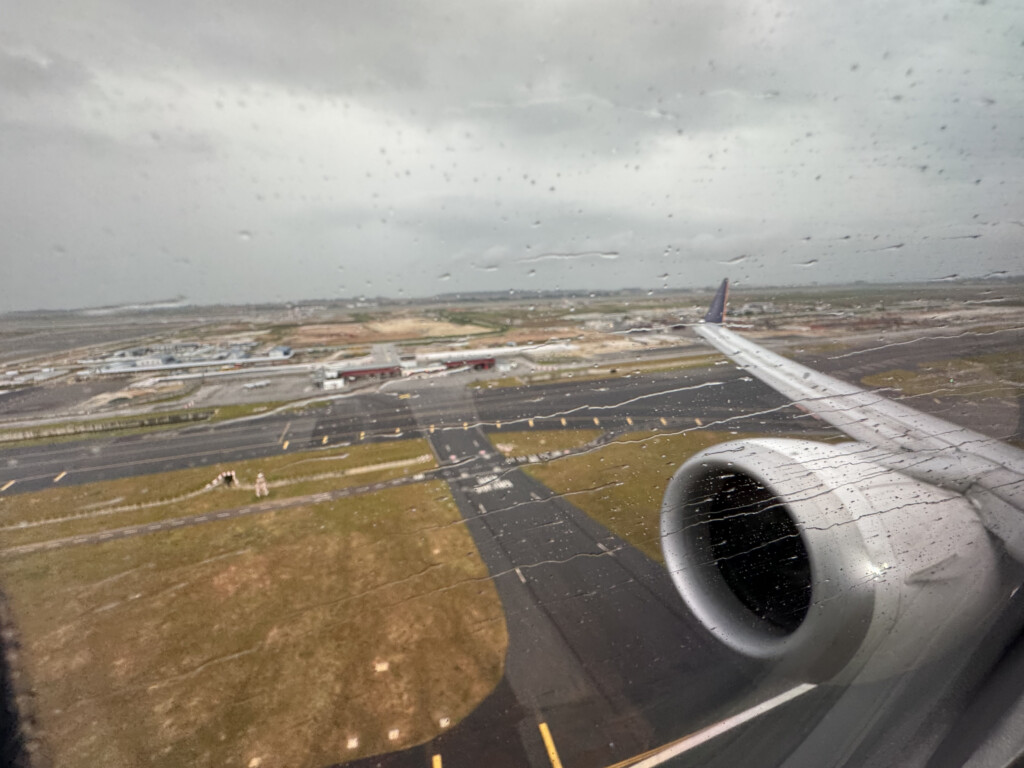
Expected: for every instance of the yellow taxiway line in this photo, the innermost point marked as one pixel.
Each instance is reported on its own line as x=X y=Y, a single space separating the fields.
x=549 y=744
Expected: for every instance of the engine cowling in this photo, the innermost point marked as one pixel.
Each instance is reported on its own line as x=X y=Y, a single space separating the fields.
x=822 y=560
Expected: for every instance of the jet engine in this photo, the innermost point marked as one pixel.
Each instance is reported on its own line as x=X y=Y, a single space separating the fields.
x=821 y=559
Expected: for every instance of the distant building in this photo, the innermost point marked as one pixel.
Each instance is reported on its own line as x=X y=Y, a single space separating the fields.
x=365 y=369
x=756 y=308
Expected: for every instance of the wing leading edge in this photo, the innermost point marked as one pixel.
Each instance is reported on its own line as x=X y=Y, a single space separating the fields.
x=989 y=472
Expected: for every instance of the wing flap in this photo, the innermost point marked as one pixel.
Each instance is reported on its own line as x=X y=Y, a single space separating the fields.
x=859 y=413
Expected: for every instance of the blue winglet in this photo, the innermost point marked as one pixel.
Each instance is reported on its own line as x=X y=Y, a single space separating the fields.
x=716 y=312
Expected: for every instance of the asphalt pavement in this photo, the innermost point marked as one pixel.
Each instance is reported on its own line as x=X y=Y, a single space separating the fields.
x=604 y=660
x=723 y=398
x=719 y=395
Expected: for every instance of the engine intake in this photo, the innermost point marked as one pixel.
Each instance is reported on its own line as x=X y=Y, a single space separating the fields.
x=822 y=560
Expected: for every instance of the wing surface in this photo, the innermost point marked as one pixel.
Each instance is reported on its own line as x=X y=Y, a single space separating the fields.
x=986 y=470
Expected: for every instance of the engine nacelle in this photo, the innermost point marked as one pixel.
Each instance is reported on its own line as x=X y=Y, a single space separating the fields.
x=822 y=560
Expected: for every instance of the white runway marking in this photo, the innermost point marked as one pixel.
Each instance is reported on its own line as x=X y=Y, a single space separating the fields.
x=685 y=744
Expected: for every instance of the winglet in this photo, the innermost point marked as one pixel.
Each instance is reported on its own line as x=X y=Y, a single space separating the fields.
x=716 y=312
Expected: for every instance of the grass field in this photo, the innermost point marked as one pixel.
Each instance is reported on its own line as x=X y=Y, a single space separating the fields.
x=630 y=475
x=295 y=638
x=994 y=375
x=503 y=382
x=528 y=442
x=594 y=373
x=77 y=509
x=137 y=424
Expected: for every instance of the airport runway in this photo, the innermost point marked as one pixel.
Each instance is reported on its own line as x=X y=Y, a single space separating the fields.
x=601 y=648
x=722 y=398
x=929 y=346
x=604 y=660
x=719 y=393
x=994 y=415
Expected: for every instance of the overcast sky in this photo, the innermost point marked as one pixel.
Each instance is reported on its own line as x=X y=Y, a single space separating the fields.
x=252 y=151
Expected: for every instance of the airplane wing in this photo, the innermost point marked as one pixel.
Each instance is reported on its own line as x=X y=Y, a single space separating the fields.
x=872 y=569
x=987 y=471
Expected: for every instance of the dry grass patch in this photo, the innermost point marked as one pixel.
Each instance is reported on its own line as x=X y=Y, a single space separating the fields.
x=77 y=509
x=594 y=373
x=527 y=443
x=393 y=329
x=499 y=383
x=628 y=478
x=280 y=637
x=995 y=375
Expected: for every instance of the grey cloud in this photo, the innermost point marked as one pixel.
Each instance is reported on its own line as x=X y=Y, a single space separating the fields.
x=24 y=73
x=479 y=137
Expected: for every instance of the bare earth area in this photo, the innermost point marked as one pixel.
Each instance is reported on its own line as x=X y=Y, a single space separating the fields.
x=392 y=329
